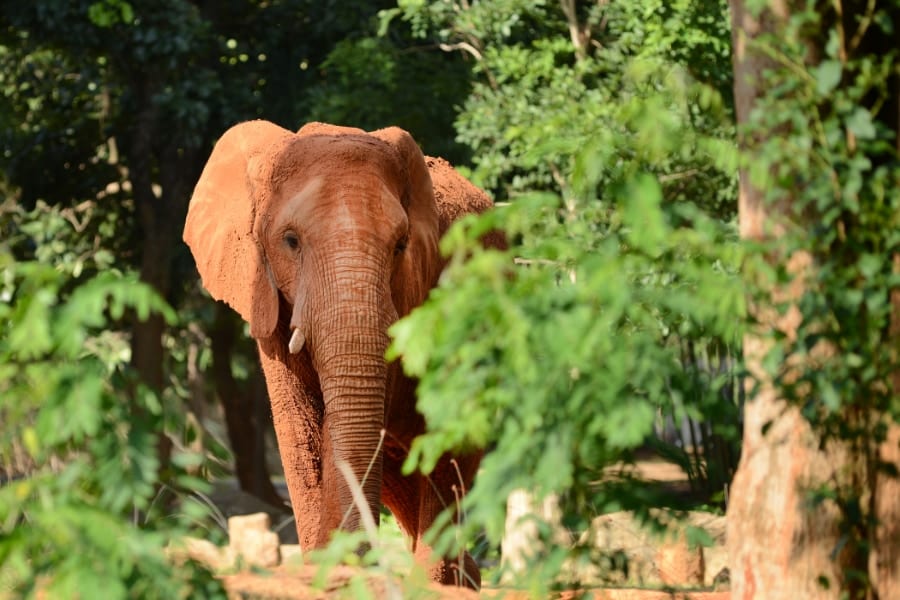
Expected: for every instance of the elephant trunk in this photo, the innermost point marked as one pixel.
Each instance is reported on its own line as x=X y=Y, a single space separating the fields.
x=353 y=390
x=347 y=339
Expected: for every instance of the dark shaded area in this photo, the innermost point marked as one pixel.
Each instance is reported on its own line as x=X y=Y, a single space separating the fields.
x=245 y=404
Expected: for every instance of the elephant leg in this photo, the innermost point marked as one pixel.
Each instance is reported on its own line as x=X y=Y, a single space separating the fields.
x=445 y=488
x=400 y=493
x=298 y=424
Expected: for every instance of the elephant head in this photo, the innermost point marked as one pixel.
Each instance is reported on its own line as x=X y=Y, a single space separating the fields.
x=320 y=239
x=270 y=203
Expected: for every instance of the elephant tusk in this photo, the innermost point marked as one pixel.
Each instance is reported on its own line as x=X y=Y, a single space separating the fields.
x=297 y=341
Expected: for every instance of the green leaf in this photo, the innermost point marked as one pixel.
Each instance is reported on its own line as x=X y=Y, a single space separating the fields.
x=870 y=265
x=860 y=123
x=31 y=441
x=698 y=536
x=827 y=75
x=642 y=216
x=109 y=12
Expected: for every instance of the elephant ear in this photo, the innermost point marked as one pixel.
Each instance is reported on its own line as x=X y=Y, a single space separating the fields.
x=421 y=261
x=222 y=229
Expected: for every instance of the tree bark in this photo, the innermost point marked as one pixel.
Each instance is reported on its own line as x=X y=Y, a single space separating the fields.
x=146 y=335
x=782 y=545
x=162 y=173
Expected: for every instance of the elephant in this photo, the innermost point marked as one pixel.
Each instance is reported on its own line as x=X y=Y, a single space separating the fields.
x=320 y=240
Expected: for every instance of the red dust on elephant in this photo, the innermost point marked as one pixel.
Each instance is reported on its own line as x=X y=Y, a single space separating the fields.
x=321 y=239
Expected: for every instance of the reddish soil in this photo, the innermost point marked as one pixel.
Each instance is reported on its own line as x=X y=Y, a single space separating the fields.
x=295 y=582
x=614 y=594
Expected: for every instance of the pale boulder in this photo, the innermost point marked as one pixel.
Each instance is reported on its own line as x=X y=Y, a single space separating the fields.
x=251 y=540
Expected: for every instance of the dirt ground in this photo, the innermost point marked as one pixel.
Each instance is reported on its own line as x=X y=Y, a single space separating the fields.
x=296 y=582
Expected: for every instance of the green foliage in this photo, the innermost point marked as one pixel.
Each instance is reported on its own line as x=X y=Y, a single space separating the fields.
x=76 y=75
x=536 y=104
x=80 y=463
x=479 y=23
x=561 y=353
x=835 y=164
x=373 y=82
x=562 y=365
x=108 y=12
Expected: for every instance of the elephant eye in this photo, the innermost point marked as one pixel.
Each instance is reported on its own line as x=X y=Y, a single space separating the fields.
x=292 y=240
x=402 y=243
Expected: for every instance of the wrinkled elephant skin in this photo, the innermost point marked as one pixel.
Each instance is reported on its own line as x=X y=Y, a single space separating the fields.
x=321 y=239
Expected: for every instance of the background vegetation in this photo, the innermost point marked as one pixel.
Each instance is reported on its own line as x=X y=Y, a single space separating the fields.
x=616 y=156
x=607 y=133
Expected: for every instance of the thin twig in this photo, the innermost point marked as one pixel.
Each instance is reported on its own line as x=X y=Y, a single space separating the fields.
x=464 y=46
x=365 y=515
x=680 y=175
x=365 y=477
x=359 y=499
x=863 y=26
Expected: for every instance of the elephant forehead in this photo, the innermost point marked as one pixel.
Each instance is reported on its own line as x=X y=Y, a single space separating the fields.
x=350 y=202
x=298 y=204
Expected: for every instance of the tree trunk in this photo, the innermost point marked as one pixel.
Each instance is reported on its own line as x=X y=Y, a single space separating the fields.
x=146 y=336
x=782 y=545
x=162 y=173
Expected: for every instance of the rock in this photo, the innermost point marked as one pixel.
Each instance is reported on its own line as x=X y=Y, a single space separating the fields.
x=204 y=552
x=715 y=557
x=677 y=564
x=623 y=551
x=291 y=554
x=251 y=540
x=651 y=560
x=232 y=501
x=520 y=537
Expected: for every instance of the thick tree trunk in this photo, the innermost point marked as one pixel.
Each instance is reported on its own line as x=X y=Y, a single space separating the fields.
x=782 y=545
x=162 y=174
x=146 y=337
x=884 y=568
